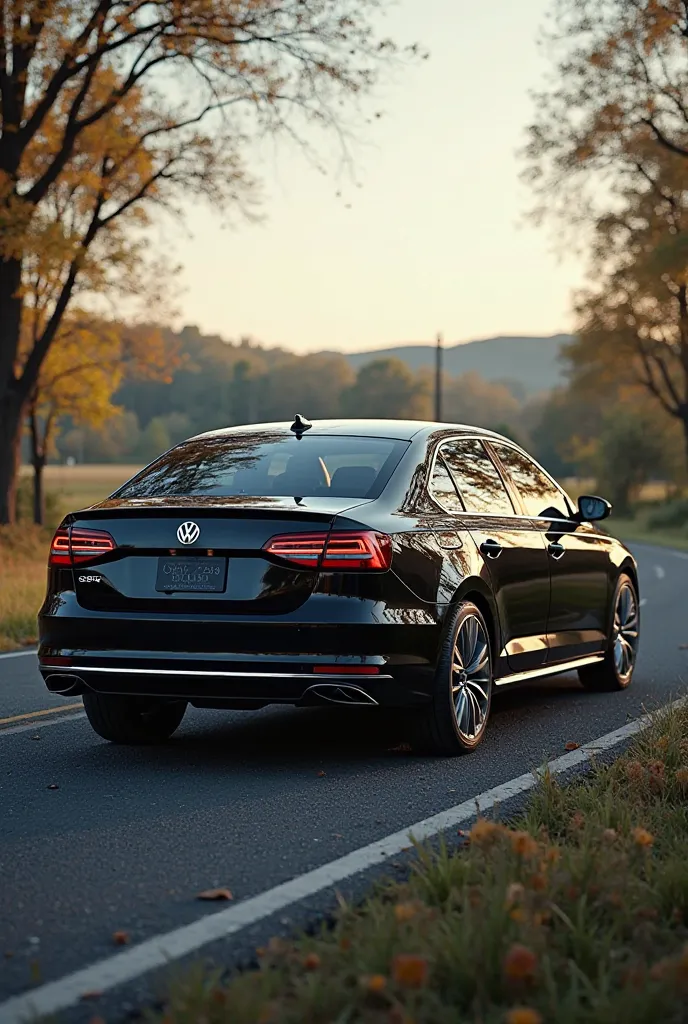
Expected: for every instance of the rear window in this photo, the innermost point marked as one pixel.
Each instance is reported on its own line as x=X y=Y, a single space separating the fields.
x=260 y=465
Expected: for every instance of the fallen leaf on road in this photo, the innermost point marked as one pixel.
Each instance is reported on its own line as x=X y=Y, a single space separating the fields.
x=336 y=835
x=120 y=938
x=321 y=774
x=215 y=894
x=91 y=995
x=572 y=746
x=53 y=785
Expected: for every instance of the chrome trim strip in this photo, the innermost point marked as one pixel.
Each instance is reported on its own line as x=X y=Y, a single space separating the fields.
x=75 y=670
x=550 y=670
x=496 y=439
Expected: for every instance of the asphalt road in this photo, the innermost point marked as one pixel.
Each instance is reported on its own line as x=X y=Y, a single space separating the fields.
x=249 y=800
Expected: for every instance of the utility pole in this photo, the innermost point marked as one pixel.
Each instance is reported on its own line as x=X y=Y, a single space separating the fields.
x=438 y=380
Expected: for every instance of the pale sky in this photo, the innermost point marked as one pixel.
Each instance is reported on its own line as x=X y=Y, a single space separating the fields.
x=434 y=240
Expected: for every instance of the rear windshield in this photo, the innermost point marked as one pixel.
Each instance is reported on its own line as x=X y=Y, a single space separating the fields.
x=260 y=465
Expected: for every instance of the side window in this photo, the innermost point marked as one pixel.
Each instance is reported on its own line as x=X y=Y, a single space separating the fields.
x=477 y=478
x=537 y=491
x=442 y=488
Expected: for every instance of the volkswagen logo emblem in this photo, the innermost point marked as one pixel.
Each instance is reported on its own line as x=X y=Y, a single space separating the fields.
x=188 y=533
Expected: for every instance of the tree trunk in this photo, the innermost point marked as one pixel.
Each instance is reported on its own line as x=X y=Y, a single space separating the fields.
x=38 y=497
x=11 y=422
x=12 y=398
x=38 y=450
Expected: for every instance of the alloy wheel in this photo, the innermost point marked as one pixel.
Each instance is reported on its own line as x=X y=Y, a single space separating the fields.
x=626 y=631
x=471 y=678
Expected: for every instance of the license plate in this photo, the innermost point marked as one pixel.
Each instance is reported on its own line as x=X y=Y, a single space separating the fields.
x=192 y=575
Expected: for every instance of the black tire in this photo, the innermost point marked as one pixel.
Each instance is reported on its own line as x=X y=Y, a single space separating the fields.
x=441 y=727
x=133 y=720
x=616 y=671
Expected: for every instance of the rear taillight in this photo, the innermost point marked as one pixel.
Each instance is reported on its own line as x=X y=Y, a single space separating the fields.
x=344 y=551
x=76 y=546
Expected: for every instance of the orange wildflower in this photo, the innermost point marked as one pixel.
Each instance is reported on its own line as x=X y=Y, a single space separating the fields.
x=523 y=844
x=406 y=911
x=682 y=778
x=520 y=963
x=635 y=771
x=375 y=983
x=552 y=855
x=484 y=831
x=538 y=882
x=311 y=962
x=523 y=1015
x=641 y=837
x=410 y=970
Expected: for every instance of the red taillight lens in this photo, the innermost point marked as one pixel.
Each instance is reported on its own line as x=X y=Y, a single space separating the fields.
x=358 y=551
x=299 y=548
x=59 y=549
x=78 y=546
x=344 y=551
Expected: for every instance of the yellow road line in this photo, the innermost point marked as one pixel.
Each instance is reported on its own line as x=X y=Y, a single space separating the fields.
x=39 y=714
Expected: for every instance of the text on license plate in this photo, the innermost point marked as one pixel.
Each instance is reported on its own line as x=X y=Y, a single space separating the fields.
x=193 y=575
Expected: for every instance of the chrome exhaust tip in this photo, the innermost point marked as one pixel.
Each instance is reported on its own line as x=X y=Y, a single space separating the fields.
x=337 y=693
x=65 y=684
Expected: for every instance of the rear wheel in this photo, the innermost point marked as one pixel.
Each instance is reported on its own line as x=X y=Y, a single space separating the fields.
x=616 y=671
x=454 y=722
x=133 y=720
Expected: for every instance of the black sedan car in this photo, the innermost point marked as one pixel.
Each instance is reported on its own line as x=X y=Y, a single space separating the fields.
x=374 y=562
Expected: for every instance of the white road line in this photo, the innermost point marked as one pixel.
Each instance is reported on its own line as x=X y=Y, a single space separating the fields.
x=19 y=654
x=161 y=950
x=40 y=724
x=660 y=573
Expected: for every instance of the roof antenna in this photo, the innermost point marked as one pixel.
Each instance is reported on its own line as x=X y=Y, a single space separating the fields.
x=300 y=426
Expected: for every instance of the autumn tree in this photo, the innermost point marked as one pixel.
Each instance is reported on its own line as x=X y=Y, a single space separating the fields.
x=165 y=93
x=609 y=152
x=83 y=370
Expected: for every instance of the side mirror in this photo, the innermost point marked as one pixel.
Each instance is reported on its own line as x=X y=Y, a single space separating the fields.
x=592 y=509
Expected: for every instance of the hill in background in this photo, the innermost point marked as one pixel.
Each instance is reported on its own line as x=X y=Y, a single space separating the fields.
x=533 y=364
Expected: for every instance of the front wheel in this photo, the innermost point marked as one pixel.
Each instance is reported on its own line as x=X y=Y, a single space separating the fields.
x=133 y=720
x=616 y=671
x=454 y=721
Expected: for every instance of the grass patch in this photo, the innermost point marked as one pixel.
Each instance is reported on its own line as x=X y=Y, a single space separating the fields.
x=579 y=912
x=23 y=561
x=24 y=548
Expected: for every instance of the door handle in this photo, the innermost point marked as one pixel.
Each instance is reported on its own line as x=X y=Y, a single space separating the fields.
x=491 y=548
x=557 y=551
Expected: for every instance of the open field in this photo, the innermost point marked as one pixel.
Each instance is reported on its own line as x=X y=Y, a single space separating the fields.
x=72 y=487
x=24 y=549
x=577 y=912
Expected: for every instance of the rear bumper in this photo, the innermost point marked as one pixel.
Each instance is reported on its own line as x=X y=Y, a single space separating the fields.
x=225 y=661
x=215 y=685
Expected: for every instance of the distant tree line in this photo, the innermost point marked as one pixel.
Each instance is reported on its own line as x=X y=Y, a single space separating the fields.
x=213 y=383
x=615 y=434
